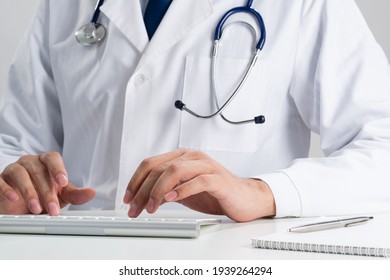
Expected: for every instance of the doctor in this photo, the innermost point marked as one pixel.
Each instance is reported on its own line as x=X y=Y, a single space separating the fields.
x=95 y=126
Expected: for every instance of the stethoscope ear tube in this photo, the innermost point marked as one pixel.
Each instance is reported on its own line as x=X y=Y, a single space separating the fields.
x=217 y=36
x=257 y=120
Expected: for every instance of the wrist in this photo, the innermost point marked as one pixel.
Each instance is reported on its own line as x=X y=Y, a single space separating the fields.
x=256 y=201
x=266 y=206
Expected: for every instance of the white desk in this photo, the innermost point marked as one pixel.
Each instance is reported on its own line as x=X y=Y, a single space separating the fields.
x=226 y=241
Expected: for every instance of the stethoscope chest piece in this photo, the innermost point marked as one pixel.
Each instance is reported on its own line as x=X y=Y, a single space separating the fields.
x=90 y=34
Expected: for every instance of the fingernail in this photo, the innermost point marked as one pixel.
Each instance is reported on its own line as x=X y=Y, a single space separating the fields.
x=62 y=179
x=128 y=197
x=53 y=209
x=171 y=196
x=150 y=206
x=133 y=211
x=35 y=206
x=12 y=196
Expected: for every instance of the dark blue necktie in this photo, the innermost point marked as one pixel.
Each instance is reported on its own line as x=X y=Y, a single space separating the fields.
x=154 y=13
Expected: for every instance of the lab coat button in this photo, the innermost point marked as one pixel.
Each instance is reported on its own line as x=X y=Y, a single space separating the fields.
x=139 y=79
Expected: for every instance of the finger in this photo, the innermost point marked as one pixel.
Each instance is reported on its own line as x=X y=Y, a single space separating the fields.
x=160 y=180
x=202 y=183
x=6 y=192
x=140 y=199
x=18 y=178
x=176 y=174
x=44 y=184
x=145 y=168
x=56 y=167
x=196 y=199
x=76 y=196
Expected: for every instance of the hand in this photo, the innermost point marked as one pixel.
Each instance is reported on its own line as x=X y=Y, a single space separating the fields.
x=198 y=182
x=39 y=184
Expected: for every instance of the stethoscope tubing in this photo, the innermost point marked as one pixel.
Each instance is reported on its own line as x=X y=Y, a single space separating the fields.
x=96 y=12
x=245 y=9
x=217 y=36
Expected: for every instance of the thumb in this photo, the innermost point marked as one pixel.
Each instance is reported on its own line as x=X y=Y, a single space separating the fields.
x=73 y=195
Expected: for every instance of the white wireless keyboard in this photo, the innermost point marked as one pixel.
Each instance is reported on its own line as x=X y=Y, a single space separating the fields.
x=102 y=225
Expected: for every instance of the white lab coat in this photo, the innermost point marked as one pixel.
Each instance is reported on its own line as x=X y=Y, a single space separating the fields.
x=107 y=107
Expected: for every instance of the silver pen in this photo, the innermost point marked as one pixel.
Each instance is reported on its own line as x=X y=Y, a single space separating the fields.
x=331 y=224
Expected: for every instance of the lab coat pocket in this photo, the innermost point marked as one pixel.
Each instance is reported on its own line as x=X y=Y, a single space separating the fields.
x=216 y=134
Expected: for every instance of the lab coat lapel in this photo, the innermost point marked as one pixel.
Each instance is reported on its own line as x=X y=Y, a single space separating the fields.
x=181 y=17
x=130 y=22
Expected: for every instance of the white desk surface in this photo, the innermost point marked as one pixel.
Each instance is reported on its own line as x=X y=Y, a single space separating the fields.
x=226 y=241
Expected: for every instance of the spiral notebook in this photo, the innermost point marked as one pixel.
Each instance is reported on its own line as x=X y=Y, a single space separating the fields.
x=371 y=239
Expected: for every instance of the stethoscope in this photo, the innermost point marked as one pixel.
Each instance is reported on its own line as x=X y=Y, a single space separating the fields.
x=94 y=32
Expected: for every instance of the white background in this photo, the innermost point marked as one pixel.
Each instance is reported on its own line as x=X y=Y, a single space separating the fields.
x=17 y=14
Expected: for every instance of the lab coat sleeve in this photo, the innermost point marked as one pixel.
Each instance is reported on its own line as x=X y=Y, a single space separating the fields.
x=341 y=88
x=30 y=116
